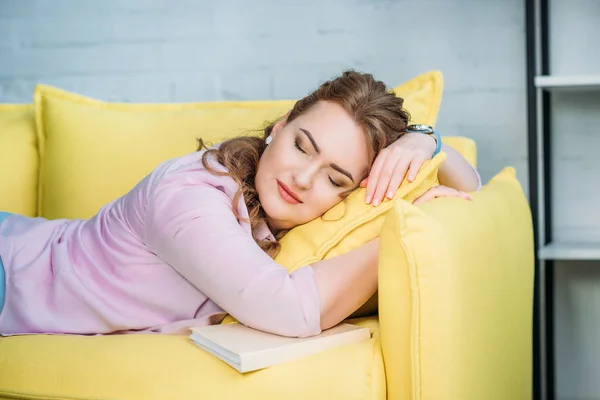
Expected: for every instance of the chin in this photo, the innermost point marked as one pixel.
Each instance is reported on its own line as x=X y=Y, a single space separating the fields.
x=278 y=217
x=280 y=214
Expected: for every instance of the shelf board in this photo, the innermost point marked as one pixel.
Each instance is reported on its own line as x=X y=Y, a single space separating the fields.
x=580 y=82
x=571 y=251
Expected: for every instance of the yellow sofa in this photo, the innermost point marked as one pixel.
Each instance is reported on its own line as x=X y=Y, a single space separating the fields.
x=455 y=286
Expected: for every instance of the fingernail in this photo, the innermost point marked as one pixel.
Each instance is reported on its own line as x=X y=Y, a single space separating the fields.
x=390 y=195
x=368 y=199
x=376 y=203
x=411 y=178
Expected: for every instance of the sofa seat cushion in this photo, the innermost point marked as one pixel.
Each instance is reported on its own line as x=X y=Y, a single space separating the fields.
x=152 y=367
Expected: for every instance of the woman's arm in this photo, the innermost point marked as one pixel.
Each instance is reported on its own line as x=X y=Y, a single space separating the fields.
x=403 y=159
x=457 y=173
x=346 y=282
x=194 y=230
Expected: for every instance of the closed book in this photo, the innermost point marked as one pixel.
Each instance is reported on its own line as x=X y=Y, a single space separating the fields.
x=247 y=349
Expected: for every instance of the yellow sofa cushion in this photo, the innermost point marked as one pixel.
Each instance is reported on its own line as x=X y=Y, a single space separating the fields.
x=456 y=284
x=159 y=367
x=19 y=160
x=92 y=152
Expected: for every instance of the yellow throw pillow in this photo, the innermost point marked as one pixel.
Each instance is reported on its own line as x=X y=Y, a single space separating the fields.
x=93 y=152
x=19 y=160
x=349 y=224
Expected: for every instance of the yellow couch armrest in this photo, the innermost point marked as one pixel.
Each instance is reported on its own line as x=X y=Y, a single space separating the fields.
x=456 y=295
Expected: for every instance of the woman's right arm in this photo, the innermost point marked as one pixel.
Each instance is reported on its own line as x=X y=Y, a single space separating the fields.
x=193 y=229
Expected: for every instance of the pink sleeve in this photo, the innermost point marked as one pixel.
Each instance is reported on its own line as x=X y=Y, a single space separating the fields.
x=194 y=230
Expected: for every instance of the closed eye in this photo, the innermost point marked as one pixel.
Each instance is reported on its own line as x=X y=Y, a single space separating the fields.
x=334 y=183
x=297 y=144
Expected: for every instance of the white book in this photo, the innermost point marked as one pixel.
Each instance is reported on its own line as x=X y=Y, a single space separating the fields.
x=247 y=349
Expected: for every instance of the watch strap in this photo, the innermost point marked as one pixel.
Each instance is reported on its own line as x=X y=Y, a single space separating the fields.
x=428 y=130
x=438 y=143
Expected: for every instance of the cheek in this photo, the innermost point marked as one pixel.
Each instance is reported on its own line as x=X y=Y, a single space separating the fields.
x=267 y=163
x=272 y=161
x=324 y=197
x=262 y=173
x=277 y=155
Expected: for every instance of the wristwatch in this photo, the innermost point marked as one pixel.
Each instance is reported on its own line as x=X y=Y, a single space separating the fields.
x=428 y=130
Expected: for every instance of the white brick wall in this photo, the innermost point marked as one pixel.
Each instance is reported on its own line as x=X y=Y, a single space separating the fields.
x=187 y=50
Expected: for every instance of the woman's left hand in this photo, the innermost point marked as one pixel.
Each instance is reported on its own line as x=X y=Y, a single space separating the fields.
x=441 y=191
x=407 y=154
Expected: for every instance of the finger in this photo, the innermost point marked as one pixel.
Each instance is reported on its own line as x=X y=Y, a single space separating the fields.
x=440 y=191
x=415 y=167
x=387 y=174
x=466 y=195
x=433 y=193
x=428 y=195
x=397 y=177
x=374 y=175
x=445 y=191
x=363 y=183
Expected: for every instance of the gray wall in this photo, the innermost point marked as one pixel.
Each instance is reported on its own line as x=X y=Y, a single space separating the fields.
x=184 y=50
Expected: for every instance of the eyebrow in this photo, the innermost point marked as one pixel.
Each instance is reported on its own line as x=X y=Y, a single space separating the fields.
x=342 y=171
x=334 y=166
x=312 y=140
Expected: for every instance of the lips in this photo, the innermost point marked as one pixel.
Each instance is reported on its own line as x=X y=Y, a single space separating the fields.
x=287 y=194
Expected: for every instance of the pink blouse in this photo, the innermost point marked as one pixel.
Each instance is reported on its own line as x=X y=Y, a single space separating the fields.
x=168 y=255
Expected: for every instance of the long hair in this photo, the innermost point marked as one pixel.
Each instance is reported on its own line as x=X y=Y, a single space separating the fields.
x=377 y=110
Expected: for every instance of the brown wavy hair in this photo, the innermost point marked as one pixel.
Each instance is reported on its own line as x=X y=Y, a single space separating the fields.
x=376 y=109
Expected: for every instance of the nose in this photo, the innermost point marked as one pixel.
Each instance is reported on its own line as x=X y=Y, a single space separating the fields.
x=305 y=175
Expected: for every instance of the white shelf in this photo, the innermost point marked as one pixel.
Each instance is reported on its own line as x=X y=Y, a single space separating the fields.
x=580 y=82
x=571 y=251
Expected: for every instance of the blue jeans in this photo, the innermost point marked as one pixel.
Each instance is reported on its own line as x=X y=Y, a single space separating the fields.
x=3 y=216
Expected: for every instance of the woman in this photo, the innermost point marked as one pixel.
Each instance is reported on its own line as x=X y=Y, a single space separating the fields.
x=195 y=238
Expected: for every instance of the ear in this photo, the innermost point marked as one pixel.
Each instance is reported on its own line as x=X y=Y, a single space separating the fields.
x=280 y=124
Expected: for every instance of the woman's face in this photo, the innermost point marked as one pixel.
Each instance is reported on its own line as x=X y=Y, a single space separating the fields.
x=311 y=164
